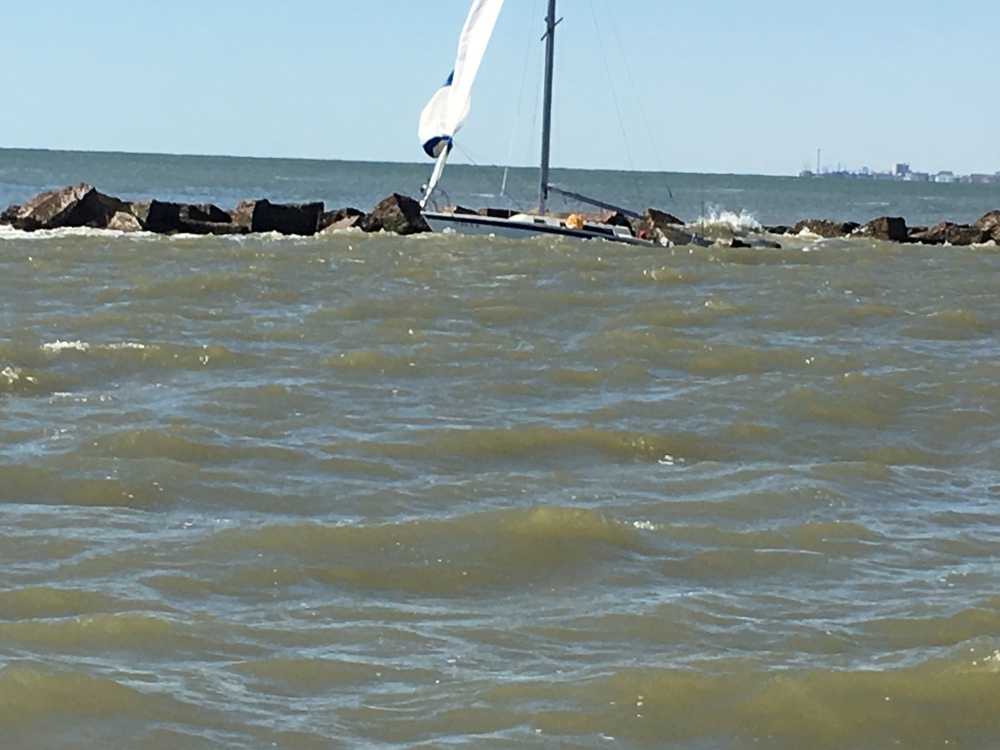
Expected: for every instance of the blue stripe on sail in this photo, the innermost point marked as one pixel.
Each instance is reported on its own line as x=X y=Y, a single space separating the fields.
x=435 y=145
x=438 y=143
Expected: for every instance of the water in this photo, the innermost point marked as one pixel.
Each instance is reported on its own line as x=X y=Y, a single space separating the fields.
x=370 y=491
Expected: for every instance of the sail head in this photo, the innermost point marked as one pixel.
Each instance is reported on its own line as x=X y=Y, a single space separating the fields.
x=447 y=110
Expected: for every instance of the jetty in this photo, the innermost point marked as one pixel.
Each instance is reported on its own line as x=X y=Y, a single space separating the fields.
x=82 y=205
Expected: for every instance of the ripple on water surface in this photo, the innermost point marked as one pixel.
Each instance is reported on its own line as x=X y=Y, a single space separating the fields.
x=381 y=492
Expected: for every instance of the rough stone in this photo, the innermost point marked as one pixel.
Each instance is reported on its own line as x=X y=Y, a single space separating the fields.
x=611 y=218
x=673 y=235
x=825 y=227
x=8 y=214
x=947 y=232
x=79 y=205
x=340 y=218
x=204 y=212
x=285 y=218
x=734 y=242
x=397 y=213
x=989 y=222
x=890 y=228
x=206 y=218
x=659 y=225
x=124 y=221
x=157 y=216
x=348 y=222
x=660 y=218
x=242 y=215
x=164 y=217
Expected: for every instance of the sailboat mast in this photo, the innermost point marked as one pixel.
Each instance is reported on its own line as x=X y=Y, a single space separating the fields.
x=550 y=56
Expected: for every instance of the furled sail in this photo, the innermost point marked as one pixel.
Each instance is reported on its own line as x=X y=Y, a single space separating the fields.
x=446 y=111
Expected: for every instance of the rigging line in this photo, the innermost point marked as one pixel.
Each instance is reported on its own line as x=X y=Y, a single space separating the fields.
x=534 y=140
x=611 y=86
x=484 y=169
x=635 y=89
x=520 y=102
x=631 y=80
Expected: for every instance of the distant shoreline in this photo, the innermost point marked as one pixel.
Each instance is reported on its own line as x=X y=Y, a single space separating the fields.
x=903 y=173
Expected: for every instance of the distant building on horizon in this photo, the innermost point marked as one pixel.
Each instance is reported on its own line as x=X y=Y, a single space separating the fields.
x=901 y=171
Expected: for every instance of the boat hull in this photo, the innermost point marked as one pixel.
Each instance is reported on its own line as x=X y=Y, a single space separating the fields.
x=518 y=228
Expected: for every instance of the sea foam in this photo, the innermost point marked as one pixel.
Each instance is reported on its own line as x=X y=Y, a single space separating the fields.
x=716 y=217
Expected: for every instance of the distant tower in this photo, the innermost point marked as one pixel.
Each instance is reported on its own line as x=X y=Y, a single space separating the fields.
x=818 y=152
x=901 y=170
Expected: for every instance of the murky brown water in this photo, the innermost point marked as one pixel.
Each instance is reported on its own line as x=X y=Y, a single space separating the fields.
x=364 y=491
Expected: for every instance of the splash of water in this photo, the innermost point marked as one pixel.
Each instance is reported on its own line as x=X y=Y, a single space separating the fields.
x=718 y=218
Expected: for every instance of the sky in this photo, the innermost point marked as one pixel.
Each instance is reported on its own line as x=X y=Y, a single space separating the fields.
x=717 y=86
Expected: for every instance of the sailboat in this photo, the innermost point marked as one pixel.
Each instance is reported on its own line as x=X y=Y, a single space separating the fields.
x=445 y=114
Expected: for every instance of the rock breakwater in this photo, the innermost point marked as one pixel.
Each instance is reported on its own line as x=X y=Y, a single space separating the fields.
x=82 y=205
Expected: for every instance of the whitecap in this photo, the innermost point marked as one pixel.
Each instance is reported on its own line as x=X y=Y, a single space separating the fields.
x=716 y=216
x=60 y=346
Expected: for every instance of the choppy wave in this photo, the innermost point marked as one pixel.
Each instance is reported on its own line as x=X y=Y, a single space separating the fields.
x=815 y=709
x=49 y=486
x=447 y=557
x=390 y=492
x=539 y=444
x=27 y=695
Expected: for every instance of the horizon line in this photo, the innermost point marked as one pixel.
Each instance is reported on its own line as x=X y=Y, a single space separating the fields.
x=429 y=164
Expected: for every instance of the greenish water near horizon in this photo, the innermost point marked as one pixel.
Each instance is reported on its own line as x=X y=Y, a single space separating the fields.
x=440 y=491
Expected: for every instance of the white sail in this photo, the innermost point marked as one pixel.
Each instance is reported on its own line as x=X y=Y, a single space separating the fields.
x=445 y=113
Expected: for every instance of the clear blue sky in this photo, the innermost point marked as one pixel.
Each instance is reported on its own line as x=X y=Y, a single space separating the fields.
x=701 y=86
